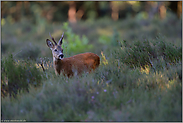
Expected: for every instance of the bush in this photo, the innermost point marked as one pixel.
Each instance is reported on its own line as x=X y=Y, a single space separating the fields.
x=142 y=53
x=17 y=76
x=74 y=42
x=31 y=52
x=7 y=47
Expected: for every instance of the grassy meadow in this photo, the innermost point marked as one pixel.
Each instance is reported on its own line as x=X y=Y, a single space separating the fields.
x=139 y=77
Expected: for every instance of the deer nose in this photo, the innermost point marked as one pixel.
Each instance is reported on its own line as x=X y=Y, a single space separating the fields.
x=61 y=56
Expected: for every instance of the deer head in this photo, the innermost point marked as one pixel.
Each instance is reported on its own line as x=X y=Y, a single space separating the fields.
x=56 y=49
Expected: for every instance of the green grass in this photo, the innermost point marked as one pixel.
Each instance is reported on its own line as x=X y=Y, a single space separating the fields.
x=139 y=78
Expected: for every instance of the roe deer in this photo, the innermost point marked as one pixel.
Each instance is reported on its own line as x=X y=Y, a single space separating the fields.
x=77 y=63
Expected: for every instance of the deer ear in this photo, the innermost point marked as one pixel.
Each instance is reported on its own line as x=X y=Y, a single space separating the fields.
x=49 y=43
x=60 y=41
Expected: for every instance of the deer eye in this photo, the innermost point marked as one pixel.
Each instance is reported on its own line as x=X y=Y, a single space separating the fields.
x=55 y=50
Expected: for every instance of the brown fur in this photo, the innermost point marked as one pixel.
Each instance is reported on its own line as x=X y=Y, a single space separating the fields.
x=85 y=62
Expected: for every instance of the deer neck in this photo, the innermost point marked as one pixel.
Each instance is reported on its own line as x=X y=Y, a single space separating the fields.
x=57 y=65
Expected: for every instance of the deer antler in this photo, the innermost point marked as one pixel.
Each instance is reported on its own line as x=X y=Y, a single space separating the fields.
x=60 y=41
x=53 y=39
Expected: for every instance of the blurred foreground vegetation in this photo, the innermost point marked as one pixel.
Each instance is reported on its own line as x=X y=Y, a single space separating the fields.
x=139 y=78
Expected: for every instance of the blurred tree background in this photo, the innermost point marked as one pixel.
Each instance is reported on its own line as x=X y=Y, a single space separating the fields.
x=74 y=11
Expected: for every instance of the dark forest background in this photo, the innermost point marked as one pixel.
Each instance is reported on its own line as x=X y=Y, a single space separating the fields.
x=76 y=10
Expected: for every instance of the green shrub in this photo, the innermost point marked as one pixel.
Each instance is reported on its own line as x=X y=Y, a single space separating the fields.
x=7 y=47
x=16 y=76
x=115 y=38
x=103 y=39
x=117 y=74
x=74 y=43
x=171 y=52
x=136 y=55
x=141 y=53
x=31 y=52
